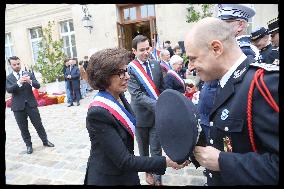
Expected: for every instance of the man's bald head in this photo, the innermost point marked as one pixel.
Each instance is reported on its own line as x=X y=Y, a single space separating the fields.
x=209 y=29
x=211 y=48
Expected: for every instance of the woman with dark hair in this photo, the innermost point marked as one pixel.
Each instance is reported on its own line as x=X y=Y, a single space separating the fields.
x=111 y=125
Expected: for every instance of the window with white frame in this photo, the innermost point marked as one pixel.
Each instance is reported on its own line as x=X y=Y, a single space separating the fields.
x=8 y=52
x=68 y=35
x=36 y=37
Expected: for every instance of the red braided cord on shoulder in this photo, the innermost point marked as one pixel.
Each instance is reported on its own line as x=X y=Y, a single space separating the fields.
x=249 y=111
x=267 y=96
x=269 y=99
x=272 y=101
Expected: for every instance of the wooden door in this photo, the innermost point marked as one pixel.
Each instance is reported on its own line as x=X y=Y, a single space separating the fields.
x=121 y=35
x=153 y=31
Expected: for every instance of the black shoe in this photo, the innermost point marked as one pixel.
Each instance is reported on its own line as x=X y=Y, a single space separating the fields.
x=78 y=103
x=48 y=144
x=70 y=105
x=29 y=149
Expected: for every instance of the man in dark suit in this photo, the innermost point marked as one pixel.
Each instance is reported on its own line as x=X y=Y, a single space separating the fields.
x=24 y=104
x=72 y=75
x=243 y=143
x=143 y=103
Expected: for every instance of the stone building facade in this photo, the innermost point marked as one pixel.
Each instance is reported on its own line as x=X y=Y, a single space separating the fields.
x=113 y=25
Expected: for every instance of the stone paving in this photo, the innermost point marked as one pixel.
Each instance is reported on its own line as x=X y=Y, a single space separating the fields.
x=65 y=164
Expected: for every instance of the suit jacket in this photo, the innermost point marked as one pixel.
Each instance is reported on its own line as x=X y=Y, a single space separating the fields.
x=142 y=104
x=229 y=116
x=170 y=82
x=23 y=93
x=112 y=160
x=75 y=77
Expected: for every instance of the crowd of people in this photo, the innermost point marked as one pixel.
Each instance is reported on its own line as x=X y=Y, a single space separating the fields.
x=242 y=143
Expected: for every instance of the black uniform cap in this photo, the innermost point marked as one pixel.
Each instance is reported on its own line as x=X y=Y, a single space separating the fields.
x=258 y=33
x=273 y=25
x=176 y=121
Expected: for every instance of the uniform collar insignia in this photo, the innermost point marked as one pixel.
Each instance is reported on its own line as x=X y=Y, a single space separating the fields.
x=238 y=73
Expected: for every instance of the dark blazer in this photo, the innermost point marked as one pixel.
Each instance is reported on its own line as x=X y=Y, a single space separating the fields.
x=23 y=93
x=229 y=117
x=170 y=82
x=142 y=104
x=75 y=77
x=112 y=160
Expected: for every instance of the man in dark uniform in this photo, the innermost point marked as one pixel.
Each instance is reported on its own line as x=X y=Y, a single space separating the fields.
x=260 y=38
x=24 y=104
x=273 y=30
x=243 y=146
x=237 y=15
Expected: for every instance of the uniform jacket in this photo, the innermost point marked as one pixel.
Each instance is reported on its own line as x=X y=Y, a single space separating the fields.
x=112 y=160
x=75 y=77
x=170 y=82
x=263 y=54
x=142 y=104
x=23 y=93
x=229 y=117
x=246 y=46
x=274 y=55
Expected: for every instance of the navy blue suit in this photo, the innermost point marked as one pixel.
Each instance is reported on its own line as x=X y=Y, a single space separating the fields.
x=170 y=82
x=74 y=83
x=229 y=117
x=205 y=103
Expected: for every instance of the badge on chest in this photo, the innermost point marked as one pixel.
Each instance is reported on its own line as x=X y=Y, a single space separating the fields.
x=227 y=144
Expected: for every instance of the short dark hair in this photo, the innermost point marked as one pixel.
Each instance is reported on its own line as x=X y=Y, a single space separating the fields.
x=13 y=58
x=103 y=64
x=81 y=62
x=138 y=39
x=168 y=42
x=66 y=60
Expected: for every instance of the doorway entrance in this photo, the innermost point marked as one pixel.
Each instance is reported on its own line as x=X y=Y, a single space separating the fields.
x=127 y=31
x=134 y=29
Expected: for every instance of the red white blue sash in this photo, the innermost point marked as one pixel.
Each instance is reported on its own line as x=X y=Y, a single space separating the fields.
x=165 y=65
x=107 y=101
x=144 y=79
x=180 y=80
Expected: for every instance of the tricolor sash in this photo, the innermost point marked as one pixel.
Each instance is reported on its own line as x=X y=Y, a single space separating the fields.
x=173 y=73
x=144 y=79
x=165 y=65
x=107 y=101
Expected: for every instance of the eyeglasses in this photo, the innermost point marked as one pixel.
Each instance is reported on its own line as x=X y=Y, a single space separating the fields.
x=121 y=73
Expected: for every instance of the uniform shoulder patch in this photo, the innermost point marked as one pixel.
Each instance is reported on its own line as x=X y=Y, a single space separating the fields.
x=268 y=67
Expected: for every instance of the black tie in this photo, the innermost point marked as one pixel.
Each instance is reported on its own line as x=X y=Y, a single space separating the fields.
x=147 y=69
x=18 y=75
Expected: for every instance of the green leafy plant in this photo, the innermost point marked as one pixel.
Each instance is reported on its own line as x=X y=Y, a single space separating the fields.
x=50 y=56
x=194 y=15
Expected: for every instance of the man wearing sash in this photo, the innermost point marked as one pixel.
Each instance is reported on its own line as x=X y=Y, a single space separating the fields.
x=165 y=61
x=145 y=85
x=111 y=125
x=173 y=80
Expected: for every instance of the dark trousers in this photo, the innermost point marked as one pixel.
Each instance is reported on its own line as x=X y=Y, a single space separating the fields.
x=75 y=93
x=146 y=136
x=22 y=121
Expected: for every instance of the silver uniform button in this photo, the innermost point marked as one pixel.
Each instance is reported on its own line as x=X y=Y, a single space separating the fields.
x=211 y=141
x=210 y=175
x=226 y=129
x=211 y=123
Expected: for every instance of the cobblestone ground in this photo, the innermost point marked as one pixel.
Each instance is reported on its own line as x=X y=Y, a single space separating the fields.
x=66 y=162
